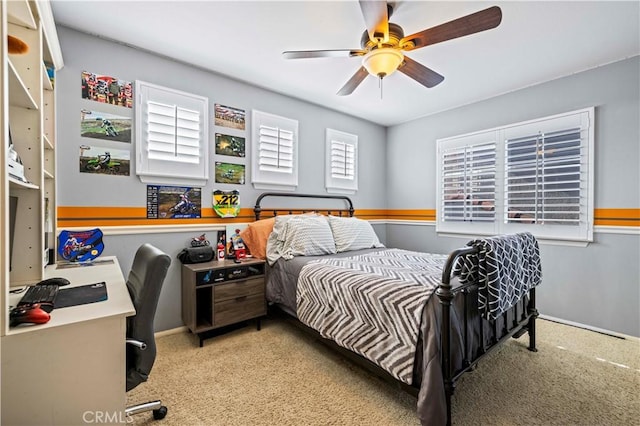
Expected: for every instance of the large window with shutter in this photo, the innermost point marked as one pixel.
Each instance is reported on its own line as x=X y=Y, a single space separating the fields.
x=341 y=163
x=171 y=136
x=274 y=152
x=535 y=176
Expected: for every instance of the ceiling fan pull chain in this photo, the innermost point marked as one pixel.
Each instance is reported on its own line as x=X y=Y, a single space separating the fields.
x=380 y=84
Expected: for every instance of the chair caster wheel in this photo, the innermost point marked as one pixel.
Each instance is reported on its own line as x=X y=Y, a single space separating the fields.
x=160 y=413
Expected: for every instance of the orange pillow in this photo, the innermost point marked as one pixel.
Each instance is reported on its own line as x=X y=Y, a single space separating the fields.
x=255 y=236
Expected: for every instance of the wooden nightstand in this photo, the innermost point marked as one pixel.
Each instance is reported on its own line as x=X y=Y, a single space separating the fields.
x=219 y=293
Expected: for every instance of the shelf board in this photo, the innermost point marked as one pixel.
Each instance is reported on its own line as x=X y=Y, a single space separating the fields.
x=47 y=143
x=18 y=184
x=19 y=13
x=46 y=83
x=18 y=93
x=47 y=175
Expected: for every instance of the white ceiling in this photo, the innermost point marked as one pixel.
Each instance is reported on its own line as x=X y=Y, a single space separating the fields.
x=536 y=42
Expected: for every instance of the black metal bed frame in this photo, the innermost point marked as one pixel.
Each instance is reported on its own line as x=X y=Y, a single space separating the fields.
x=519 y=320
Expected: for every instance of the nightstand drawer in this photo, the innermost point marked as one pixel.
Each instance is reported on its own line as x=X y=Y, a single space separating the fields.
x=232 y=290
x=238 y=309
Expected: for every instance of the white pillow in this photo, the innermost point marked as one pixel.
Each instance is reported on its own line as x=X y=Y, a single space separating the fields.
x=351 y=233
x=289 y=241
x=309 y=236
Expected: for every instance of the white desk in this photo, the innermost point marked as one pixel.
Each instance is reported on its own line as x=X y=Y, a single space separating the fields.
x=71 y=370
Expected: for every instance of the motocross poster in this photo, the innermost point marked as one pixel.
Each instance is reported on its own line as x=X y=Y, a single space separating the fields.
x=102 y=125
x=105 y=161
x=80 y=246
x=173 y=202
x=229 y=173
x=106 y=89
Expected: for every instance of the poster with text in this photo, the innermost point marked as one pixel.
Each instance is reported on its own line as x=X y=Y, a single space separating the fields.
x=229 y=173
x=226 y=116
x=102 y=125
x=106 y=89
x=106 y=161
x=173 y=202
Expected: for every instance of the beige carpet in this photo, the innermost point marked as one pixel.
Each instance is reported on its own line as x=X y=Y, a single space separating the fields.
x=279 y=376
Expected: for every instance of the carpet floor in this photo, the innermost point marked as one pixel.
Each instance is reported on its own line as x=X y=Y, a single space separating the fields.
x=281 y=376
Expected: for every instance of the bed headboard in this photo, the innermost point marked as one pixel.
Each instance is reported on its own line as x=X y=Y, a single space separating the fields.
x=258 y=209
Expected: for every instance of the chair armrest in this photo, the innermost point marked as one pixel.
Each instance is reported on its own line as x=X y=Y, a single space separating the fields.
x=137 y=343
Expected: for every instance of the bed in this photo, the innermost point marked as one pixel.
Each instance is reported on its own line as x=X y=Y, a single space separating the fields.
x=417 y=319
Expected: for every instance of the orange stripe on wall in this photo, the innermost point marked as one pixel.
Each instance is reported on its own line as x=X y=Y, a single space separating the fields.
x=617 y=217
x=407 y=214
x=89 y=217
x=82 y=216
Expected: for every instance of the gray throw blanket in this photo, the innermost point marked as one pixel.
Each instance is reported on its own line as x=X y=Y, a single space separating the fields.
x=506 y=266
x=371 y=304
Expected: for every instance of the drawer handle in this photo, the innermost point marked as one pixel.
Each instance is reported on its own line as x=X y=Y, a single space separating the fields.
x=241 y=298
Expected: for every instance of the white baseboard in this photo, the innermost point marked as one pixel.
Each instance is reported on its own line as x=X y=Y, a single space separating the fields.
x=589 y=327
x=169 y=332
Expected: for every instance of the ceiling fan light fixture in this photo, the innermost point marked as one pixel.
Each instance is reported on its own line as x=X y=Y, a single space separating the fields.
x=383 y=61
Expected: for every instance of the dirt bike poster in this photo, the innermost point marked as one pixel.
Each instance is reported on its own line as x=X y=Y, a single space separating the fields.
x=226 y=203
x=105 y=161
x=233 y=146
x=229 y=173
x=173 y=202
x=102 y=125
x=226 y=116
x=80 y=246
x=106 y=89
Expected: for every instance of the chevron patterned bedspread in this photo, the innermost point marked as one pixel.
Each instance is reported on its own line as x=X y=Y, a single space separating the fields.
x=371 y=304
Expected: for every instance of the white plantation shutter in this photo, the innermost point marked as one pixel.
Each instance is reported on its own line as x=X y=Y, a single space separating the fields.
x=548 y=176
x=535 y=176
x=171 y=136
x=467 y=178
x=341 y=162
x=173 y=133
x=275 y=152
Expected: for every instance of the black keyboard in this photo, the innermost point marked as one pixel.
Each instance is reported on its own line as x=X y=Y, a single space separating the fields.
x=45 y=294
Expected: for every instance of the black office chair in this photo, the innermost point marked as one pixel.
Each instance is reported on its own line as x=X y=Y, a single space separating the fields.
x=144 y=283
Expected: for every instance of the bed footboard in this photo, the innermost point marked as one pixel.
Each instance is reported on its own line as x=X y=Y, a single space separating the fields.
x=513 y=323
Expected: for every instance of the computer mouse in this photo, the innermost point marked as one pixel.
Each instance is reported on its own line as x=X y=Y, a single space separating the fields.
x=28 y=314
x=59 y=281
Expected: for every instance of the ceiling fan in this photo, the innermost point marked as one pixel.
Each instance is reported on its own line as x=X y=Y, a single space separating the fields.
x=384 y=42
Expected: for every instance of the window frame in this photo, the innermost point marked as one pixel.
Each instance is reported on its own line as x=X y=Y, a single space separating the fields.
x=272 y=179
x=162 y=170
x=582 y=233
x=340 y=184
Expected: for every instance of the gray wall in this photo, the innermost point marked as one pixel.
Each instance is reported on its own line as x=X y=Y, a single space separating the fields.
x=598 y=285
x=83 y=52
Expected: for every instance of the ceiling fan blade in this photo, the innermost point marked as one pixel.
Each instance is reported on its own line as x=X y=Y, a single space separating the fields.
x=470 y=24
x=423 y=75
x=377 y=20
x=353 y=82
x=341 y=53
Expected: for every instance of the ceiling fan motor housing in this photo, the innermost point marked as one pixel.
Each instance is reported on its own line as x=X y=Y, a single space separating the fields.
x=396 y=33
